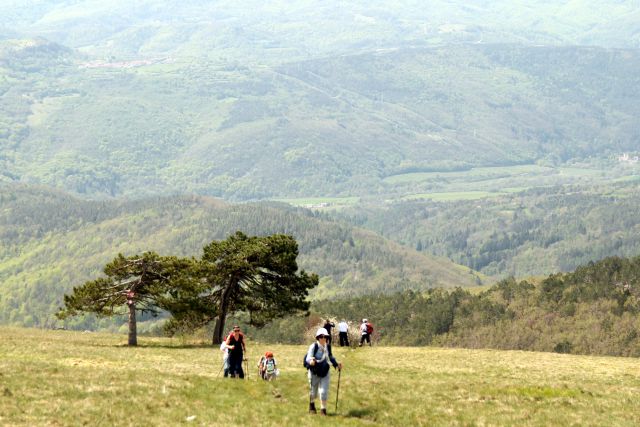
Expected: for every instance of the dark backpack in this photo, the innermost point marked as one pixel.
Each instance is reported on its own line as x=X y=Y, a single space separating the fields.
x=369 y=328
x=304 y=359
x=321 y=369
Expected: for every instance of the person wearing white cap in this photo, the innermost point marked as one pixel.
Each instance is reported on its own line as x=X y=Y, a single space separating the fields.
x=365 y=332
x=318 y=358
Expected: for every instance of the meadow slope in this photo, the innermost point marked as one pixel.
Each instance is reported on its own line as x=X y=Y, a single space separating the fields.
x=72 y=378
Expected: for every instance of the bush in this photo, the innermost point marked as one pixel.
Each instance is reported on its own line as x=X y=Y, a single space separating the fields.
x=563 y=347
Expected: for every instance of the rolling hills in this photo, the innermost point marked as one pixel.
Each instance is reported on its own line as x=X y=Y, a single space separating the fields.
x=52 y=242
x=486 y=133
x=537 y=231
x=336 y=126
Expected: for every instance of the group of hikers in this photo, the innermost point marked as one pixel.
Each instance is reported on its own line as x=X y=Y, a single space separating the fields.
x=365 y=329
x=318 y=359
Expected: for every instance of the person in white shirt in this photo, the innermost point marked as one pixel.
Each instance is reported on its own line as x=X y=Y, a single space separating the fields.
x=364 y=332
x=225 y=358
x=343 y=333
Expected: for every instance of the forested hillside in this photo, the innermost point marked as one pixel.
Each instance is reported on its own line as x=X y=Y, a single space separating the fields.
x=338 y=126
x=52 y=242
x=254 y=29
x=592 y=310
x=535 y=232
x=443 y=144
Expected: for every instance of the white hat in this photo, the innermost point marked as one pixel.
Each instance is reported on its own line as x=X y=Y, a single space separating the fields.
x=364 y=320
x=321 y=331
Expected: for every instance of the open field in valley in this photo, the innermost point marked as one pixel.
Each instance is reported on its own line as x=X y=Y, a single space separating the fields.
x=73 y=378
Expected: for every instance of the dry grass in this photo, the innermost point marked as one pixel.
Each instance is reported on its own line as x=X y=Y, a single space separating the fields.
x=71 y=378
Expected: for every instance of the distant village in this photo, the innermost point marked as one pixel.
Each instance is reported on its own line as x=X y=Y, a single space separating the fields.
x=316 y=205
x=626 y=158
x=124 y=64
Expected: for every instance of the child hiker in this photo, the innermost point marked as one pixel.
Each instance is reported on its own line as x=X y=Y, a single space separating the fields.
x=318 y=358
x=268 y=367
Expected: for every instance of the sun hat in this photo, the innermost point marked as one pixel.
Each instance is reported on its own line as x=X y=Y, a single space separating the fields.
x=321 y=332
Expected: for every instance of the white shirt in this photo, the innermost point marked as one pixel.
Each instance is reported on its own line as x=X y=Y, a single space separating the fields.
x=224 y=350
x=343 y=327
x=363 y=329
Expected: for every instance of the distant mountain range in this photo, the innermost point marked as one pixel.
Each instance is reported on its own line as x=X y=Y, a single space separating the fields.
x=122 y=126
x=324 y=127
x=277 y=30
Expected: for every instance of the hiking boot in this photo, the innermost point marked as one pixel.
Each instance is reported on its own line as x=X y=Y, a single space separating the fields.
x=323 y=411
x=312 y=408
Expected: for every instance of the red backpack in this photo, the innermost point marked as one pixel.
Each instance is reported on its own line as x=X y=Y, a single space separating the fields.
x=369 y=328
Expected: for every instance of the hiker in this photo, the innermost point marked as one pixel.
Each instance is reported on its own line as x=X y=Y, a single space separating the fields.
x=366 y=329
x=268 y=367
x=235 y=344
x=318 y=358
x=343 y=333
x=225 y=358
x=328 y=325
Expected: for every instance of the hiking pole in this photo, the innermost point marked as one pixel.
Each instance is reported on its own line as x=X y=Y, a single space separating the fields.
x=338 y=390
x=221 y=366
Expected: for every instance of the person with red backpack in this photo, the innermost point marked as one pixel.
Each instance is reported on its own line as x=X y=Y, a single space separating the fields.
x=366 y=329
x=237 y=349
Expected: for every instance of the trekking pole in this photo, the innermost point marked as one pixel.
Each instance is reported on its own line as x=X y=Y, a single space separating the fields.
x=338 y=390
x=221 y=366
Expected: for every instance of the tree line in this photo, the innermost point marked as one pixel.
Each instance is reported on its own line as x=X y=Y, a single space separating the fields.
x=591 y=310
x=52 y=242
x=535 y=232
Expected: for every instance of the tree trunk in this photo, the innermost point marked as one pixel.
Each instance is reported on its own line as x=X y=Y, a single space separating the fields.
x=218 y=329
x=133 y=332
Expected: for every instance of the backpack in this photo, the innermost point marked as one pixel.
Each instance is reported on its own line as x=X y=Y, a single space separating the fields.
x=369 y=328
x=321 y=369
x=269 y=366
x=304 y=359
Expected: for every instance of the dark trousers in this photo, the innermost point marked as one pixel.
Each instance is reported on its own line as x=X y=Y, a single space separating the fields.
x=365 y=337
x=344 y=339
x=235 y=367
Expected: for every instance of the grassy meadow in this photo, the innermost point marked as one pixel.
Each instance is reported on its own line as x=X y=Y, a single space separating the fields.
x=484 y=182
x=71 y=378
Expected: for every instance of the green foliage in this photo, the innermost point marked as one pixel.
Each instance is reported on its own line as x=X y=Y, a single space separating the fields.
x=254 y=275
x=51 y=242
x=593 y=310
x=338 y=125
x=535 y=232
x=140 y=281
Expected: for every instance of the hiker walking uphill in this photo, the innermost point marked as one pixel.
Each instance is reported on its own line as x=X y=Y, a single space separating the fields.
x=237 y=348
x=328 y=325
x=225 y=357
x=366 y=329
x=268 y=367
x=317 y=362
x=343 y=333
